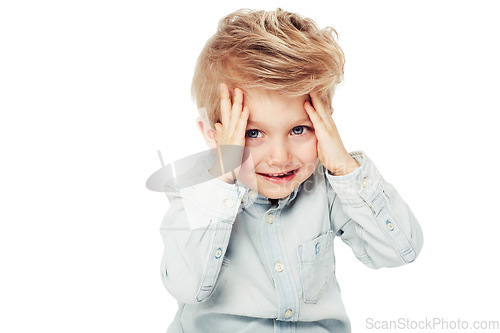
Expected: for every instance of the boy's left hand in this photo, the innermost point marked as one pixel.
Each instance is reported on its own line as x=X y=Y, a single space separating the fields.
x=331 y=151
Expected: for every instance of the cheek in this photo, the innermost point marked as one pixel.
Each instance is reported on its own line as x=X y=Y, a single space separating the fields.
x=256 y=153
x=308 y=150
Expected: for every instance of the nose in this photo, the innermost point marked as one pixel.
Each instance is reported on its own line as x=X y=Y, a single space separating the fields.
x=279 y=153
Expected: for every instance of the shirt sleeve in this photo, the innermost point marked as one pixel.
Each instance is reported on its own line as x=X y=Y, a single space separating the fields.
x=195 y=232
x=372 y=218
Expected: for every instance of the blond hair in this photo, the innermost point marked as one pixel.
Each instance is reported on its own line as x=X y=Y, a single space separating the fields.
x=272 y=50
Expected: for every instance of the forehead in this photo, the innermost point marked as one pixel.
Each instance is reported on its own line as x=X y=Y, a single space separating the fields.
x=271 y=107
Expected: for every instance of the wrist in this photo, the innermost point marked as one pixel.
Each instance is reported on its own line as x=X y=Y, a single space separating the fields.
x=343 y=167
x=227 y=162
x=227 y=177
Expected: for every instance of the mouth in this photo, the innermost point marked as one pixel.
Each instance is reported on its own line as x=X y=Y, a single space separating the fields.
x=279 y=178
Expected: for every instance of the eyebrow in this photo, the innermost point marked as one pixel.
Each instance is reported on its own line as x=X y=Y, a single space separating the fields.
x=263 y=125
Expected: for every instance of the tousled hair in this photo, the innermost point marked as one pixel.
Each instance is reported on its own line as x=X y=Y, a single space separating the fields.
x=272 y=50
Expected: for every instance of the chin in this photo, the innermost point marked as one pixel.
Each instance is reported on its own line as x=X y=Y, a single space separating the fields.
x=275 y=195
x=273 y=191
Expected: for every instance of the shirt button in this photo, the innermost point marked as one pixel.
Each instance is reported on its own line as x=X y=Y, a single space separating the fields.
x=288 y=313
x=316 y=248
x=252 y=194
x=270 y=218
x=218 y=253
x=364 y=182
x=229 y=203
x=278 y=267
x=389 y=225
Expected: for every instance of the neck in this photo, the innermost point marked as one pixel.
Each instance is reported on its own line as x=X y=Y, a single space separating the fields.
x=274 y=201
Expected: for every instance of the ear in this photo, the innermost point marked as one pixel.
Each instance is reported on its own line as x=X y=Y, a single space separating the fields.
x=207 y=132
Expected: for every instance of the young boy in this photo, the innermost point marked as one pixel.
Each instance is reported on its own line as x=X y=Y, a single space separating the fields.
x=249 y=232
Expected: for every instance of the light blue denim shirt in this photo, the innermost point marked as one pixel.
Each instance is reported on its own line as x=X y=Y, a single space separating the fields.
x=237 y=263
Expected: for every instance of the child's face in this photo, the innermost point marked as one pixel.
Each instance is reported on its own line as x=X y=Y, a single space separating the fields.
x=280 y=138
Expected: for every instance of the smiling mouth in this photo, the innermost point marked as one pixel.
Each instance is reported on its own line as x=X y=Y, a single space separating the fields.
x=279 y=175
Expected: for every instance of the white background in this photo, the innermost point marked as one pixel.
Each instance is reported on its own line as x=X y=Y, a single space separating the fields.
x=89 y=90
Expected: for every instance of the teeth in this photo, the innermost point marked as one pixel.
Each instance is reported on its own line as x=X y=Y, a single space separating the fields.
x=280 y=174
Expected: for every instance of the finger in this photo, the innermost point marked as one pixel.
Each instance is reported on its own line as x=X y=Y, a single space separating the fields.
x=218 y=132
x=225 y=104
x=316 y=119
x=236 y=108
x=241 y=126
x=319 y=107
x=323 y=130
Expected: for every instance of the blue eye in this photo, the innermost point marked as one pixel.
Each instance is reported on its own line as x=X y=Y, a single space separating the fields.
x=298 y=130
x=253 y=134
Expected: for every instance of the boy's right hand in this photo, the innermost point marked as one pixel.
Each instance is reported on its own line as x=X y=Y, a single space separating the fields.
x=230 y=135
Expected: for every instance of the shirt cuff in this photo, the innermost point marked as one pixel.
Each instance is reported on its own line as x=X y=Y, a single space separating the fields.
x=214 y=199
x=359 y=186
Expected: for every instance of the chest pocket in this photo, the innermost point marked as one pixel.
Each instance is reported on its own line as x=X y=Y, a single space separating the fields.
x=317 y=266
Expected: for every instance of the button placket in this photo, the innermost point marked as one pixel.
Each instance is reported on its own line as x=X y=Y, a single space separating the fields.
x=277 y=261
